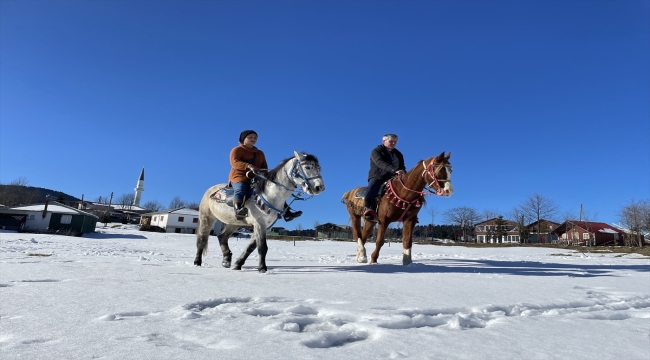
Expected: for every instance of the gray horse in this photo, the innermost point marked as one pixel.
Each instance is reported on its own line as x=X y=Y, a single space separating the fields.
x=271 y=193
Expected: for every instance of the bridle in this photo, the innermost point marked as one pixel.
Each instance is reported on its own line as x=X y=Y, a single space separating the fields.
x=298 y=171
x=430 y=171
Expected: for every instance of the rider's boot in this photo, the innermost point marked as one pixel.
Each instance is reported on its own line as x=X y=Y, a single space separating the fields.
x=240 y=210
x=370 y=213
x=290 y=215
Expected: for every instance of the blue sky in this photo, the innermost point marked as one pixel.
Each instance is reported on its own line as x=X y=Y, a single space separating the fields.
x=548 y=97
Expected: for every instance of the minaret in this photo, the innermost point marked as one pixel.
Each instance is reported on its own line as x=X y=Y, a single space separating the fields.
x=139 y=188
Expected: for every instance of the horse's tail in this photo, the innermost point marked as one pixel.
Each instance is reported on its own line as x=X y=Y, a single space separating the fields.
x=347 y=196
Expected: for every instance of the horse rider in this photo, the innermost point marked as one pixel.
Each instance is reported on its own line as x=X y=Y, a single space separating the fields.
x=246 y=161
x=385 y=162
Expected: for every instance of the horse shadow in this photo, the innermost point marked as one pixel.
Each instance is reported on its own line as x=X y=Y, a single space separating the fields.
x=460 y=266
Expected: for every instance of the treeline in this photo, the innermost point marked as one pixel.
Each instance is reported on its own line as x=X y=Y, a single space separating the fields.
x=16 y=195
x=419 y=232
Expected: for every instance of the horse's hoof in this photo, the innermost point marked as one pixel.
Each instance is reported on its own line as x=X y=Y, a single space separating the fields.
x=237 y=267
x=262 y=270
x=362 y=260
x=197 y=262
x=406 y=260
x=226 y=264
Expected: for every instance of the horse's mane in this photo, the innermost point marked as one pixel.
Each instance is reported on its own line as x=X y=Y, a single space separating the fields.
x=272 y=175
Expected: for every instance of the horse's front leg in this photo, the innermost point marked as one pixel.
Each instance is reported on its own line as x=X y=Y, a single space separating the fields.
x=249 y=249
x=381 y=232
x=407 y=241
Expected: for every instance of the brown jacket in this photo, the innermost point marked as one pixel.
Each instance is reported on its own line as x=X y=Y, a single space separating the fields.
x=240 y=157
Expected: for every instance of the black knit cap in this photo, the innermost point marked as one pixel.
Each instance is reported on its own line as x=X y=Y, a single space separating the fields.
x=245 y=133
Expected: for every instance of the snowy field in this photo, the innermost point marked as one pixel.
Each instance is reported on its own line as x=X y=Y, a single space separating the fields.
x=125 y=294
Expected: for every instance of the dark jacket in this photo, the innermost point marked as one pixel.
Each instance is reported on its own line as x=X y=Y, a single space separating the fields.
x=381 y=163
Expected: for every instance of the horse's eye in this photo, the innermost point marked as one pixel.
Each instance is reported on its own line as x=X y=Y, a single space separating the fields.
x=307 y=167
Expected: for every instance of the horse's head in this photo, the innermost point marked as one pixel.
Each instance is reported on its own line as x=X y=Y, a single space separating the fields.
x=437 y=174
x=305 y=172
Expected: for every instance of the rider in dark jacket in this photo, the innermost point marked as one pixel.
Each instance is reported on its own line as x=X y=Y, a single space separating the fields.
x=385 y=162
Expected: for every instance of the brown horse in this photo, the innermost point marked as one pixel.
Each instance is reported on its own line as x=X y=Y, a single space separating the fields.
x=402 y=201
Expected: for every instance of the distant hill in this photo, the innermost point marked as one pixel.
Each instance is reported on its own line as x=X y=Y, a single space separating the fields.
x=15 y=195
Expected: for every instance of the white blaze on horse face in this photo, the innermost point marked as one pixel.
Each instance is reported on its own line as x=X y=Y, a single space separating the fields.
x=448 y=189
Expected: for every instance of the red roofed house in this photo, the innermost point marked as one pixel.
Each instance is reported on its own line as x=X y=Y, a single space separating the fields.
x=589 y=233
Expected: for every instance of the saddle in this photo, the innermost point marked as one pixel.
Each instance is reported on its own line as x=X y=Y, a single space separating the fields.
x=362 y=191
x=226 y=194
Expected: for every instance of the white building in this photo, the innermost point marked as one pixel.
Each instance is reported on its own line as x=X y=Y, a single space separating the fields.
x=183 y=221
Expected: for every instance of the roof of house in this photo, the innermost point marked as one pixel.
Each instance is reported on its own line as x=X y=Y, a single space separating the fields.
x=54 y=207
x=509 y=222
x=179 y=211
x=591 y=227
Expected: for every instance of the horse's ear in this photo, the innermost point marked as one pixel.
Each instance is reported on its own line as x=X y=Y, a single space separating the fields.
x=440 y=157
x=448 y=156
x=298 y=155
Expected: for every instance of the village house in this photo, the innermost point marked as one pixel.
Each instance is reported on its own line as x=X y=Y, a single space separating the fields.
x=183 y=221
x=487 y=231
x=333 y=231
x=52 y=216
x=589 y=233
x=541 y=232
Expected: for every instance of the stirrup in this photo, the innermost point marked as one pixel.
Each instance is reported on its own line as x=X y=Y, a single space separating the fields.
x=288 y=215
x=370 y=215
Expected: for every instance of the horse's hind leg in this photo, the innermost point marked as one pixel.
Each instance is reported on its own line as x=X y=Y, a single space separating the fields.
x=206 y=222
x=249 y=249
x=223 y=237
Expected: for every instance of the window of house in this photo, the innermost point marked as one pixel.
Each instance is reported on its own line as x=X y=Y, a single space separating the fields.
x=154 y=218
x=585 y=236
x=575 y=235
x=195 y=220
x=162 y=218
x=481 y=228
x=181 y=219
x=481 y=238
x=177 y=230
x=66 y=219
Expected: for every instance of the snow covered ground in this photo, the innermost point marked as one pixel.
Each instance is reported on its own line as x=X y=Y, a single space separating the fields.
x=125 y=294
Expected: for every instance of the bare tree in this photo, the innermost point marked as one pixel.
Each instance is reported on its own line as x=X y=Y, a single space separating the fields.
x=635 y=216
x=432 y=211
x=539 y=207
x=176 y=203
x=464 y=216
x=125 y=201
x=520 y=217
x=152 y=205
x=193 y=205
x=488 y=214
x=20 y=181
